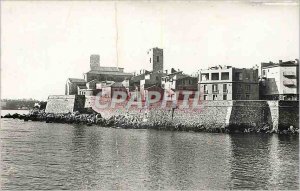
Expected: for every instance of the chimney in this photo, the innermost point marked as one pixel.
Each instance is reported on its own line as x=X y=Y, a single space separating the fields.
x=280 y=61
x=166 y=71
x=173 y=70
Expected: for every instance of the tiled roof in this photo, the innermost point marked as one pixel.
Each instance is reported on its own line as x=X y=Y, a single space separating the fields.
x=286 y=63
x=152 y=86
x=109 y=69
x=92 y=81
x=74 y=80
x=115 y=73
x=138 y=78
x=184 y=76
x=114 y=85
x=82 y=87
x=174 y=73
x=117 y=84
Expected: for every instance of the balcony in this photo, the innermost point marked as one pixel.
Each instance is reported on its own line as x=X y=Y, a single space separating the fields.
x=289 y=73
x=290 y=91
x=290 y=82
x=215 y=91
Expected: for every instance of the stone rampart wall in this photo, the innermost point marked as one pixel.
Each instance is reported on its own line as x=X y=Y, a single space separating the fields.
x=217 y=114
x=64 y=103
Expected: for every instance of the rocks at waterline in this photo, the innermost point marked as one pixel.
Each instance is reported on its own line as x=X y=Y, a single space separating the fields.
x=136 y=122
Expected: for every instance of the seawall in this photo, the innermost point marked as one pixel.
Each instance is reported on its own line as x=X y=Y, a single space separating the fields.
x=236 y=114
x=65 y=103
x=219 y=114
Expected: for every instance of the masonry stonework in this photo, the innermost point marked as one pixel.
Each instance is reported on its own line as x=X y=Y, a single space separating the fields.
x=218 y=114
x=65 y=103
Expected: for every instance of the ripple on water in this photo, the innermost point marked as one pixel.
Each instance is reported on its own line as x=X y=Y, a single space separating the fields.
x=38 y=155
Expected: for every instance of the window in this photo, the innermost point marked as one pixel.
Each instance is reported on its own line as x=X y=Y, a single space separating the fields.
x=264 y=72
x=254 y=76
x=157 y=58
x=205 y=97
x=247 y=96
x=215 y=97
x=215 y=88
x=247 y=76
x=215 y=76
x=238 y=76
x=225 y=88
x=238 y=96
x=247 y=88
x=225 y=76
x=204 y=77
x=205 y=89
x=239 y=88
x=224 y=97
x=150 y=60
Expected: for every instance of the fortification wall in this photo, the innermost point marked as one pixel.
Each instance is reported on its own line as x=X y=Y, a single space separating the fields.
x=210 y=113
x=249 y=113
x=217 y=114
x=288 y=114
x=64 y=103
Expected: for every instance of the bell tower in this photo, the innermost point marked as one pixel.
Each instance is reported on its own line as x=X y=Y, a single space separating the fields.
x=156 y=59
x=95 y=62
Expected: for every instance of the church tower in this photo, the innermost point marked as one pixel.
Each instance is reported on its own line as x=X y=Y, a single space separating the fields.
x=155 y=58
x=95 y=62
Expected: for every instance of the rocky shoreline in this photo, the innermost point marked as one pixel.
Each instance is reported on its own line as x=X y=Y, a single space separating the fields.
x=136 y=122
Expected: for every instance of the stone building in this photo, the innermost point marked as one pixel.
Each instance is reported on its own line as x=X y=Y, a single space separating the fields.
x=149 y=78
x=97 y=73
x=103 y=73
x=176 y=82
x=90 y=88
x=156 y=59
x=280 y=81
x=228 y=83
x=72 y=84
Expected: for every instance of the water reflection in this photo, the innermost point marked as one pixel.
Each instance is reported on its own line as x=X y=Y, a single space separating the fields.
x=59 y=156
x=182 y=160
x=256 y=162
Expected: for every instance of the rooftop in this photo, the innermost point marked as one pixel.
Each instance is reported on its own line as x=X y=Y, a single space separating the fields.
x=76 y=80
x=82 y=87
x=108 y=72
x=114 y=84
x=92 y=81
x=280 y=63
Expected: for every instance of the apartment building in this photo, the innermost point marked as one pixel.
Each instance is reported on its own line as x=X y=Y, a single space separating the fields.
x=228 y=83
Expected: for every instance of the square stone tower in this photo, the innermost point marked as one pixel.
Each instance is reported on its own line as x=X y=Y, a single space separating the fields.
x=156 y=59
x=94 y=61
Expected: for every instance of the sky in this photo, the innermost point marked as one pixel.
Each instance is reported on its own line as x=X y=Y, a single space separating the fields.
x=45 y=42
